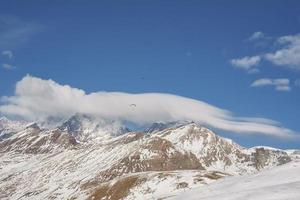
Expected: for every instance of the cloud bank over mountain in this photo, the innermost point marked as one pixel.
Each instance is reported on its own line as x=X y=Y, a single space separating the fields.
x=36 y=99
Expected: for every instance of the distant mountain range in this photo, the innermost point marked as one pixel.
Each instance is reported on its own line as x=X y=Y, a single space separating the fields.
x=90 y=158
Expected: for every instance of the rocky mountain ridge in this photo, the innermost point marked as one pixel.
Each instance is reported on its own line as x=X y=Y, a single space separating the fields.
x=62 y=163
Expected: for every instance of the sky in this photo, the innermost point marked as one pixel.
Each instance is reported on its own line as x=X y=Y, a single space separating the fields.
x=240 y=61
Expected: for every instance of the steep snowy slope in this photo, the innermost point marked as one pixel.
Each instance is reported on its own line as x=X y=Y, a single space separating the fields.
x=279 y=183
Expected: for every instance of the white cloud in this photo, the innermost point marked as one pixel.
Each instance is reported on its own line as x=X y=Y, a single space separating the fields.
x=246 y=63
x=7 y=66
x=15 y=31
x=253 y=71
x=37 y=99
x=7 y=53
x=256 y=36
x=288 y=54
x=281 y=84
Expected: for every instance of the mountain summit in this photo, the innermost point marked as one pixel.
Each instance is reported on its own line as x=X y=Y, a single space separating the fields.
x=86 y=127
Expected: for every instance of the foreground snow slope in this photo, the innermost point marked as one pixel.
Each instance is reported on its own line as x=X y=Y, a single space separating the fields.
x=279 y=183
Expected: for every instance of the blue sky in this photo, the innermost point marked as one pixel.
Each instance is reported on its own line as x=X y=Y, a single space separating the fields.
x=188 y=48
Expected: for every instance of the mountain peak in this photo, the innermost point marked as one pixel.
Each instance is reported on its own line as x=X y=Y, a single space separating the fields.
x=86 y=127
x=5 y=121
x=160 y=126
x=3 y=118
x=33 y=125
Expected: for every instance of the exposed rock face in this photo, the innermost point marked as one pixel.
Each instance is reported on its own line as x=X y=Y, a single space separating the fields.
x=155 y=154
x=118 y=190
x=60 y=163
x=263 y=158
x=159 y=126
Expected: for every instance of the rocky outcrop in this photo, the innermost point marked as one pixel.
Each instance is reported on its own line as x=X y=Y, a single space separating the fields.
x=263 y=157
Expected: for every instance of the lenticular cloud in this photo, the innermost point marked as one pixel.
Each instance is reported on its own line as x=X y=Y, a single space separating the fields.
x=36 y=98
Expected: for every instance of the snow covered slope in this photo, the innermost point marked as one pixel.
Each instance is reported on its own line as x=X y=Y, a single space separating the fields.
x=89 y=158
x=279 y=183
x=221 y=154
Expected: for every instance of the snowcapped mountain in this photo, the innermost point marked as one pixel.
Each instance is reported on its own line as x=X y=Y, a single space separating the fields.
x=87 y=128
x=91 y=158
x=10 y=127
x=217 y=153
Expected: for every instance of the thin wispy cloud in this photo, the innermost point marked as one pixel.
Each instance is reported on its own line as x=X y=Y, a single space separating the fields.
x=281 y=84
x=256 y=36
x=36 y=98
x=253 y=71
x=260 y=40
x=15 y=31
x=7 y=53
x=297 y=83
x=8 y=66
x=246 y=63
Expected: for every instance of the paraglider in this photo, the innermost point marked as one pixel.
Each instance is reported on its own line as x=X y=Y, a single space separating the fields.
x=132 y=105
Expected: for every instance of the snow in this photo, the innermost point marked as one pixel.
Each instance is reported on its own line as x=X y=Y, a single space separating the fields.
x=146 y=154
x=279 y=183
x=161 y=185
